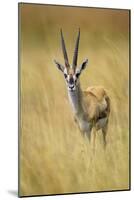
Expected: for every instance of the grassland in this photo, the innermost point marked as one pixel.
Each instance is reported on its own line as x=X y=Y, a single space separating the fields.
x=54 y=157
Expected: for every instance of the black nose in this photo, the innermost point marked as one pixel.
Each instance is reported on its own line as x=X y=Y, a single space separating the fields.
x=71 y=80
x=71 y=87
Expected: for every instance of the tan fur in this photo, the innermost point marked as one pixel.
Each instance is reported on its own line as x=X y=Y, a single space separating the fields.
x=98 y=91
x=71 y=71
x=97 y=104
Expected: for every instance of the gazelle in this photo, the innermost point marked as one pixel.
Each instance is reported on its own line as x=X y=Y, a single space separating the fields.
x=91 y=108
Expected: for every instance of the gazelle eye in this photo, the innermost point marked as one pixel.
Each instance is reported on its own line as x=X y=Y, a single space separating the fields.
x=65 y=75
x=77 y=75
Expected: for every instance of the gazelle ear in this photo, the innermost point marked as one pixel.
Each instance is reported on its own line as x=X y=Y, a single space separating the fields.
x=83 y=65
x=60 y=67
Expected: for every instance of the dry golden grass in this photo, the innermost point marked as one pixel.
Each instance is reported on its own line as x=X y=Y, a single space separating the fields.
x=54 y=157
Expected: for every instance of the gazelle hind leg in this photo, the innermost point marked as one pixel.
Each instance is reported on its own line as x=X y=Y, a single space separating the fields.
x=94 y=139
x=104 y=134
x=89 y=134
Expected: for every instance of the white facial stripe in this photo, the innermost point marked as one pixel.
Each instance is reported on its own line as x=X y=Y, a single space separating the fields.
x=77 y=71
x=74 y=77
x=71 y=67
x=65 y=70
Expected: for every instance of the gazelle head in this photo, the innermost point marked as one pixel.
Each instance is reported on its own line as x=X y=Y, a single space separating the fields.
x=71 y=72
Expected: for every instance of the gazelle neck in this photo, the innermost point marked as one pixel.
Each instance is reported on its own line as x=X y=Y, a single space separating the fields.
x=77 y=102
x=75 y=99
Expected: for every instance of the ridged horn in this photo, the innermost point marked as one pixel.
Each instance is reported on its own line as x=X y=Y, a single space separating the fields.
x=75 y=57
x=64 y=50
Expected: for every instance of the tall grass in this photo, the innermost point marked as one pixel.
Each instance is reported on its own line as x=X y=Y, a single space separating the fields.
x=54 y=157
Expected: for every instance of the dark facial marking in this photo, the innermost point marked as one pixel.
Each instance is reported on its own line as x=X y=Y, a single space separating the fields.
x=71 y=80
x=77 y=75
x=65 y=75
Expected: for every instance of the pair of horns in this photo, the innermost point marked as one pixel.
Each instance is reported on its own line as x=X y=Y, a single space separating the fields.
x=75 y=56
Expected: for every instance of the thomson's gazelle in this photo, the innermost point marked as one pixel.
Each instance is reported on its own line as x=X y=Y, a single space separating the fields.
x=91 y=108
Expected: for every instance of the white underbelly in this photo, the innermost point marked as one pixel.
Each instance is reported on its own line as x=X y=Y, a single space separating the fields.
x=101 y=123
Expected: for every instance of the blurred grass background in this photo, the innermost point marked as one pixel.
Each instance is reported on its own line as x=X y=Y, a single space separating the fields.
x=54 y=157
